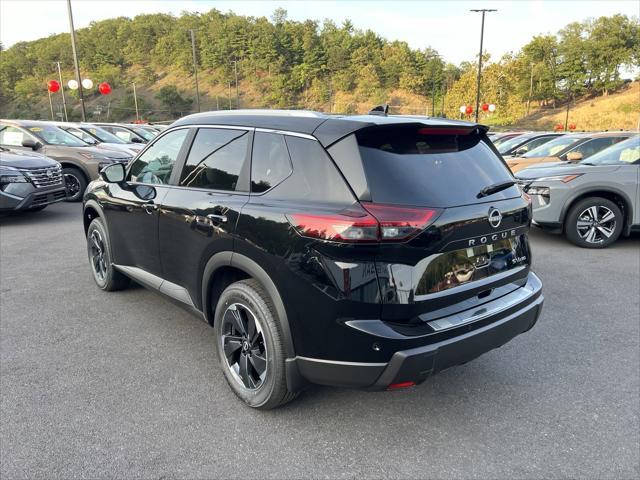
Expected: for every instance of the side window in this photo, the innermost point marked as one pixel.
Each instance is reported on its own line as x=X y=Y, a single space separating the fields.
x=315 y=177
x=12 y=136
x=270 y=163
x=156 y=163
x=594 y=146
x=536 y=143
x=215 y=159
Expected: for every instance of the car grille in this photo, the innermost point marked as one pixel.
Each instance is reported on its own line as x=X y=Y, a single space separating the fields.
x=44 y=177
x=46 y=198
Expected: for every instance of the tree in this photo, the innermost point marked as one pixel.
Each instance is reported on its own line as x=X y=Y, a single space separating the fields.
x=173 y=101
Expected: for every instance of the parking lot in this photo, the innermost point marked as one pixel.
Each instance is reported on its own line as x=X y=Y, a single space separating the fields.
x=127 y=384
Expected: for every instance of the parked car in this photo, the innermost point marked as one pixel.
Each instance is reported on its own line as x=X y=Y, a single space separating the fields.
x=102 y=135
x=567 y=148
x=149 y=129
x=521 y=144
x=316 y=257
x=592 y=202
x=124 y=133
x=82 y=131
x=80 y=162
x=29 y=181
x=501 y=137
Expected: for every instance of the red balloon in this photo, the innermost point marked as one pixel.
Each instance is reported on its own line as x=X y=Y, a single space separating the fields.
x=53 y=86
x=104 y=88
x=469 y=110
x=558 y=126
x=572 y=126
x=485 y=107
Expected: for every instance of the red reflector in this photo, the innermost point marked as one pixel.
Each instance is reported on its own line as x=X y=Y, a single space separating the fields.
x=397 y=386
x=367 y=223
x=444 y=131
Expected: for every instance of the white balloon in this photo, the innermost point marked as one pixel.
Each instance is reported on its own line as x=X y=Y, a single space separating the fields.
x=73 y=85
x=463 y=109
x=87 y=83
x=492 y=107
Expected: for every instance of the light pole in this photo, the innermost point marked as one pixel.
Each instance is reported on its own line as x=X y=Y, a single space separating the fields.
x=483 y=11
x=195 y=67
x=64 y=101
x=235 y=71
x=530 y=90
x=135 y=101
x=75 y=61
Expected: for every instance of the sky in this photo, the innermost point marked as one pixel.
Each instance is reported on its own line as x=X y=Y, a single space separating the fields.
x=447 y=26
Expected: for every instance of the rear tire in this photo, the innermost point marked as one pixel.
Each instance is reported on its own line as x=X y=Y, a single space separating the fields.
x=76 y=183
x=105 y=275
x=594 y=222
x=244 y=350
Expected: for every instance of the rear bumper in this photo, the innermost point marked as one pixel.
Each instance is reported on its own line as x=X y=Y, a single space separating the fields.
x=416 y=364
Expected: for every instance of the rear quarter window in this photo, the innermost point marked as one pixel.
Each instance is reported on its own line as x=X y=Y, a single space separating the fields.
x=412 y=165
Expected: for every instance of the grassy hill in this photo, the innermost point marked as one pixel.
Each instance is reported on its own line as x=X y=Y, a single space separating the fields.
x=619 y=110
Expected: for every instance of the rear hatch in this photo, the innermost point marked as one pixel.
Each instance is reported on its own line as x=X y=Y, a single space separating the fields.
x=472 y=250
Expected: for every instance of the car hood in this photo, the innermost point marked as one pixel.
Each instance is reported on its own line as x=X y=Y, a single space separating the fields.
x=564 y=169
x=19 y=159
x=61 y=150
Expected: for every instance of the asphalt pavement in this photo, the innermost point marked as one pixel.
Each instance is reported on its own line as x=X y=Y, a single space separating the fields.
x=127 y=385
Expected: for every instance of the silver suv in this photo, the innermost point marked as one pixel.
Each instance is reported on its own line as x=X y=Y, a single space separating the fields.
x=592 y=202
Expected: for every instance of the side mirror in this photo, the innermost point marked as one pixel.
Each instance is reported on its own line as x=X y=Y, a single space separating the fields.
x=520 y=151
x=31 y=143
x=574 y=156
x=137 y=140
x=113 y=173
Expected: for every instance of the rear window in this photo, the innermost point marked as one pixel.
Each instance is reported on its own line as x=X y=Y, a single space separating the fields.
x=411 y=165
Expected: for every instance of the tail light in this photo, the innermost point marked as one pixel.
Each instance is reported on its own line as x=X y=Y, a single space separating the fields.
x=366 y=223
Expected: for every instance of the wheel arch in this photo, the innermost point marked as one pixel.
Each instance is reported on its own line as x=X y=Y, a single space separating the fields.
x=616 y=196
x=69 y=163
x=92 y=210
x=230 y=267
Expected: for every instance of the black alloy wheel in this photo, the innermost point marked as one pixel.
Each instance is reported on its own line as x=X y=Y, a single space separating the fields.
x=244 y=347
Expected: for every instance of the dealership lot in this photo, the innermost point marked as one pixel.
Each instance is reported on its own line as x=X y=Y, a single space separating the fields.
x=127 y=385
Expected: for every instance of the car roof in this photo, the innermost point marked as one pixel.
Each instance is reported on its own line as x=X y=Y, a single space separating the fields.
x=325 y=127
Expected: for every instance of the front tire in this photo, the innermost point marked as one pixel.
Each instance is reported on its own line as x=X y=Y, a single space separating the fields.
x=106 y=276
x=250 y=347
x=76 y=183
x=594 y=222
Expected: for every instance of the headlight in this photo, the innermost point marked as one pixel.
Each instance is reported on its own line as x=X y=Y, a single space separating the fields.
x=12 y=175
x=93 y=156
x=559 y=178
x=546 y=191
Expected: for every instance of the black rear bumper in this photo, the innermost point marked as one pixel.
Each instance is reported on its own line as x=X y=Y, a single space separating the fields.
x=416 y=364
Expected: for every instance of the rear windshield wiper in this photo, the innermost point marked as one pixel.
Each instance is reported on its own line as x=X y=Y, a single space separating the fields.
x=495 y=188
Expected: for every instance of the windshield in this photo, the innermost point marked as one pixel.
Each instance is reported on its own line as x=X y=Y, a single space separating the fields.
x=509 y=144
x=622 y=153
x=84 y=136
x=553 y=147
x=143 y=133
x=56 y=136
x=103 y=135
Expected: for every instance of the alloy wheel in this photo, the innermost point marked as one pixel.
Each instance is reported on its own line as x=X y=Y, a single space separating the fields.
x=73 y=185
x=596 y=224
x=97 y=254
x=244 y=346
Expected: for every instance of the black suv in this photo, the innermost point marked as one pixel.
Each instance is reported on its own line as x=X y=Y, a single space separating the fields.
x=358 y=251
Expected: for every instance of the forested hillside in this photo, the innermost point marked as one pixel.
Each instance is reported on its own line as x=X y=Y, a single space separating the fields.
x=289 y=64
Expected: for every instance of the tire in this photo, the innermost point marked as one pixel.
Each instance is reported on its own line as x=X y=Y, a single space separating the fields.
x=594 y=222
x=252 y=348
x=105 y=275
x=76 y=183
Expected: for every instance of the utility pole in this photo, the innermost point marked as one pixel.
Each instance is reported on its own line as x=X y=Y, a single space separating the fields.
x=530 y=89
x=235 y=71
x=195 y=67
x=229 y=94
x=50 y=103
x=64 y=102
x=566 y=118
x=135 y=101
x=75 y=61
x=483 y=11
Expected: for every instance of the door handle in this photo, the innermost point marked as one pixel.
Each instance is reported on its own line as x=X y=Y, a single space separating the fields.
x=217 y=217
x=150 y=207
